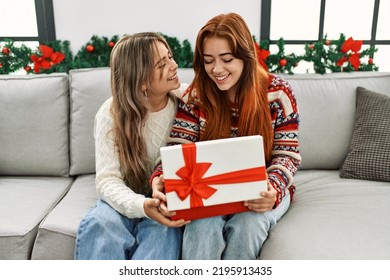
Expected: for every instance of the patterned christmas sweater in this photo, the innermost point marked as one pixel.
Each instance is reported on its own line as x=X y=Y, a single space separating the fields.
x=190 y=122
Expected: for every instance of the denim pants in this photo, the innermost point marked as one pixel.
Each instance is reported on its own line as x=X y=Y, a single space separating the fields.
x=105 y=234
x=231 y=237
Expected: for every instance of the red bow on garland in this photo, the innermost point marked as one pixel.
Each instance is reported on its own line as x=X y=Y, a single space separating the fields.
x=262 y=56
x=47 y=59
x=354 y=56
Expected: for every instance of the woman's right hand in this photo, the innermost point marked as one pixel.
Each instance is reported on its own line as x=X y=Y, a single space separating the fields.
x=153 y=209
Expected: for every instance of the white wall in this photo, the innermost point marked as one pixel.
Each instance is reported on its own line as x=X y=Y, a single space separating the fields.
x=77 y=21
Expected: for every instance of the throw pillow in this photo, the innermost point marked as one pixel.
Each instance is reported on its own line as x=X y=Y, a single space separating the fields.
x=369 y=153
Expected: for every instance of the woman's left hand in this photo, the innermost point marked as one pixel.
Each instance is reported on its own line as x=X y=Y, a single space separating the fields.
x=153 y=210
x=158 y=192
x=265 y=203
x=158 y=188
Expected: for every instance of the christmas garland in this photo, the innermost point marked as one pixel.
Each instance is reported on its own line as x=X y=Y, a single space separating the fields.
x=56 y=56
x=341 y=55
x=326 y=56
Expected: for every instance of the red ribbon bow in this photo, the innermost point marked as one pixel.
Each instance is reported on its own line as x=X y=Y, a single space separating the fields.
x=354 y=56
x=47 y=59
x=262 y=55
x=194 y=185
x=351 y=45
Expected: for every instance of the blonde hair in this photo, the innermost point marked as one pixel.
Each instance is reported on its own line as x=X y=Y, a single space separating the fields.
x=132 y=65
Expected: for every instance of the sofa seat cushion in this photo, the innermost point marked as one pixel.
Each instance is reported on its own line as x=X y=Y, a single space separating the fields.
x=24 y=202
x=57 y=233
x=333 y=218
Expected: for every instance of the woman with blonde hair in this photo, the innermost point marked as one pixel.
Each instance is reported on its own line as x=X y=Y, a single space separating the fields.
x=231 y=96
x=130 y=127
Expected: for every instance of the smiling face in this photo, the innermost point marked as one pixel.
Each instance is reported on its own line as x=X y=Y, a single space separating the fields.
x=165 y=76
x=221 y=66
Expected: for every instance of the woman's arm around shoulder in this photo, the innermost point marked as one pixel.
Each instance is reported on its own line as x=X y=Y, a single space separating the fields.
x=185 y=129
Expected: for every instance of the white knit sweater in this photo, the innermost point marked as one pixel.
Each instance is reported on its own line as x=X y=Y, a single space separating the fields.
x=109 y=180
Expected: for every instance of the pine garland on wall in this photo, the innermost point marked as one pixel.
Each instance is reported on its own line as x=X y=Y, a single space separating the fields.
x=280 y=62
x=325 y=56
x=95 y=53
x=56 y=56
x=13 y=58
x=339 y=55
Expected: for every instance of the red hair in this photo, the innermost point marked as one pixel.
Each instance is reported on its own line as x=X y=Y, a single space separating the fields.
x=251 y=97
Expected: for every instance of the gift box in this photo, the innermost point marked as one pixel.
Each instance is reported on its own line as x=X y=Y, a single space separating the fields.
x=212 y=178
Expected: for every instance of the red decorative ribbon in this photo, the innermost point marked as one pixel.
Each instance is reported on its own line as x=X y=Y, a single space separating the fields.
x=194 y=185
x=354 y=56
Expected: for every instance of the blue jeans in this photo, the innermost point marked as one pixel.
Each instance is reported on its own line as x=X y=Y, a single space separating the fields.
x=105 y=234
x=231 y=237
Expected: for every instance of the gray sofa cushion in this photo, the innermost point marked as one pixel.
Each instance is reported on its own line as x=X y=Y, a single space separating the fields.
x=327 y=105
x=34 y=125
x=89 y=88
x=25 y=201
x=369 y=156
x=333 y=218
x=57 y=233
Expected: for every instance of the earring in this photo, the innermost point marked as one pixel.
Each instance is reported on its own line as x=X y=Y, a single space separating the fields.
x=145 y=94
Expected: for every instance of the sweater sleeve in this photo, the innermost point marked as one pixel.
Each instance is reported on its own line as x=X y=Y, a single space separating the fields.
x=110 y=185
x=285 y=158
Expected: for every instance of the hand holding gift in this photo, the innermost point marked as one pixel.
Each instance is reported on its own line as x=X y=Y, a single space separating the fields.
x=265 y=203
x=156 y=209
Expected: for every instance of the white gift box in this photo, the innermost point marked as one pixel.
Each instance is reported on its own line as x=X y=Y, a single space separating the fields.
x=210 y=178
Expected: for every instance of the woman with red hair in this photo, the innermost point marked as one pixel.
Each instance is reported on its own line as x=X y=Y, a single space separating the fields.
x=232 y=95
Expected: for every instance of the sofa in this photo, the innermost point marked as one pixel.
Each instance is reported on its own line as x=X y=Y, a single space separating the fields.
x=47 y=168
